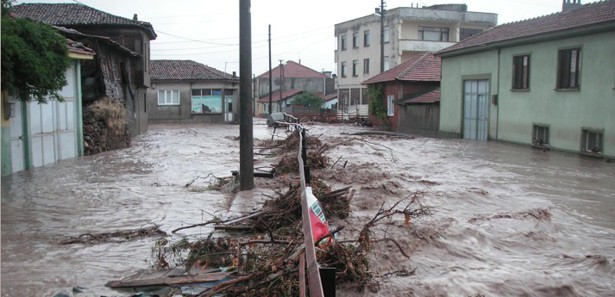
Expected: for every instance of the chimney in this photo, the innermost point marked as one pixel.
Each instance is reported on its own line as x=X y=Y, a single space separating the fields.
x=569 y=5
x=134 y=17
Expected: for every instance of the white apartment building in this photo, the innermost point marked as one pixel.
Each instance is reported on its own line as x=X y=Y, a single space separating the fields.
x=408 y=31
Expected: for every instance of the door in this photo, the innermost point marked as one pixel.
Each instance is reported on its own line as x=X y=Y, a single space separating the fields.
x=475 y=109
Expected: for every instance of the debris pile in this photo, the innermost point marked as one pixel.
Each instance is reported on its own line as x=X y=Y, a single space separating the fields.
x=258 y=254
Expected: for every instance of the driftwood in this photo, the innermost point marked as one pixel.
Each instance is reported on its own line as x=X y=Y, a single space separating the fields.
x=117 y=236
x=170 y=280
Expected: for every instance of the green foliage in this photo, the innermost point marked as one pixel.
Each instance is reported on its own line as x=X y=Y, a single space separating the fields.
x=309 y=100
x=377 y=107
x=34 y=58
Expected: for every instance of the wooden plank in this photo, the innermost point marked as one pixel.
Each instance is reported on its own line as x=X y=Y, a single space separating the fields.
x=169 y=281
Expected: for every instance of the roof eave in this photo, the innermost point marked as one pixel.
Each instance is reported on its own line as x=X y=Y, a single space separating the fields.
x=568 y=33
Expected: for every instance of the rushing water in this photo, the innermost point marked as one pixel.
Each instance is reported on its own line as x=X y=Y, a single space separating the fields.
x=509 y=220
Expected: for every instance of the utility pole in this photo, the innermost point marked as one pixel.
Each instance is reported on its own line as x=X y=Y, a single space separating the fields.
x=246 y=141
x=382 y=13
x=270 y=74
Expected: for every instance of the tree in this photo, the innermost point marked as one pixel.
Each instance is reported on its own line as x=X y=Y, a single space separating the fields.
x=34 y=58
x=308 y=99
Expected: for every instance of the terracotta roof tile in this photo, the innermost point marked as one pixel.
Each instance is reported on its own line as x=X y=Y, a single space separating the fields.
x=275 y=97
x=72 y=14
x=294 y=70
x=425 y=97
x=586 y=15
x=185 y=70
x=425 y=67
x=78 y=48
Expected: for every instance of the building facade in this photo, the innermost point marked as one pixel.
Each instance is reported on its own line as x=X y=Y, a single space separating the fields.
x=408 y=32
x=547 y=82
x=184 y=90
x=131 y=34
x=290 y=76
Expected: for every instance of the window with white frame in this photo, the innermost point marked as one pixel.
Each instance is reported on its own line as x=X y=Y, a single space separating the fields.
x=387 y=34
x=390 y=105
x=355 y=68
x=343 y=69
x=592 y=141
x=366 y=66
x=540 y=135
x=355 y=40
x=168 y=97
x=387 y=63
x=343 y=42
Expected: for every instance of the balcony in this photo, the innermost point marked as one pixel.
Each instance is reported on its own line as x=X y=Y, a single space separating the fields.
x=409 y=45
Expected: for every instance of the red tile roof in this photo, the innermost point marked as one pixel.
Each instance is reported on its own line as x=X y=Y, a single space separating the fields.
x=330 y=97
x=275 y=97
x=293 y=70
x=427 y=97
x=586 y=16
x=185 y=70
x=71 y=14
x=425 y=67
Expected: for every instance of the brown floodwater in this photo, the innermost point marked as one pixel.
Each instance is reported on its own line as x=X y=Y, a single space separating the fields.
x=508 y=220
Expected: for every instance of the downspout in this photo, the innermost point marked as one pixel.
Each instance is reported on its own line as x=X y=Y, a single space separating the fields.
x=79 y=102
x=497 y=120
x=26 y=136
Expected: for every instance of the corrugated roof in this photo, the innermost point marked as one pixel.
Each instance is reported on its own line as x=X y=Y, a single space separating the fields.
x=185 y=70
x=425 y=97
x=425 y=67
x=72 y=14
x=275 y=97
x=293 y=70
x=585 y=16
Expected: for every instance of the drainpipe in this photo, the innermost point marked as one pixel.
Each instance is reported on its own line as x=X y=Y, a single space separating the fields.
x=497 y=120
x=79 y=108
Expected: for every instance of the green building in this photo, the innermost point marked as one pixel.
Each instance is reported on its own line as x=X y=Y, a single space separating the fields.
x=547 y=82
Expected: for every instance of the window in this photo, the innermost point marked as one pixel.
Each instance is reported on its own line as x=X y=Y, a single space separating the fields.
x=355 y=96
x=387 y=34
x=568 y=68
x=355 y=40
x=366 y=38
x=467 y=32
x=521 y=72
x=168 y=97
x=387 y=63
x=343 y=42
x=343 y=71
x=592 y=141
x=390 y=105
x=355 y=68
x=540 y=135
x=206 y=101
x=433 y=33
x=365 y=66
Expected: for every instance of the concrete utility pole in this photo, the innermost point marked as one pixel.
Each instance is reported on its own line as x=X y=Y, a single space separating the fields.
x=281 y=83
x=246 y=141
x=382 y=13
x=270 y=74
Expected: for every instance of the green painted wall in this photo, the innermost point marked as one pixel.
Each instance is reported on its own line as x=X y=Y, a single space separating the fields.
x=454 y=71
x=566 y=113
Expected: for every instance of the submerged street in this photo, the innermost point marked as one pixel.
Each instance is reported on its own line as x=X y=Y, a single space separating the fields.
x=507 y=220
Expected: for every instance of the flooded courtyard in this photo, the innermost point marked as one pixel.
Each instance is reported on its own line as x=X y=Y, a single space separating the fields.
x=507 y=220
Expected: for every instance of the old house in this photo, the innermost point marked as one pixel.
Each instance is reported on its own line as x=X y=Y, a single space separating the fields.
x=184 y=90
x=286 y=77
x=112 y=76
x=35 y=135
x=411 y=94
x=361 y=52
x=547 y=81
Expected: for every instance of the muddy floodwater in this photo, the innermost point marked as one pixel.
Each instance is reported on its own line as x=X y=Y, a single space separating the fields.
x=507 y=220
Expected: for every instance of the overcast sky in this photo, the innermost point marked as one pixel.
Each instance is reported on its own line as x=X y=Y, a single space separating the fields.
x=207 y=31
